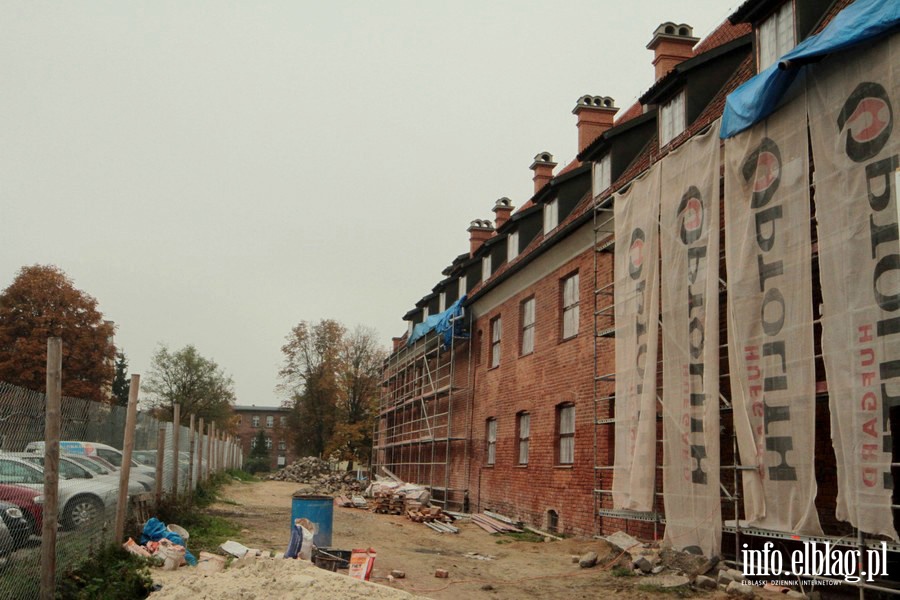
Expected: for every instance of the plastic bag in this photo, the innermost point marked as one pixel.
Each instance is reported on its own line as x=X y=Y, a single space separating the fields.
x=301 y=544
x=155 y=530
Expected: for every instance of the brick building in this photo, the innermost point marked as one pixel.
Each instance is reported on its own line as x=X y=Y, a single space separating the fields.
x=516 y=410
x=272 y=420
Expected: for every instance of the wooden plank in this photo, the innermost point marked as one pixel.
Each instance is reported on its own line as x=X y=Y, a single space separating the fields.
x=52 y=425
x=176 y=430
x=127 y=451
x=487 y=528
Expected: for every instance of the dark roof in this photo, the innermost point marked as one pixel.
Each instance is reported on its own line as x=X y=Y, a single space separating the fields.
x=604 y=140
x=253 y=407
x=753 y=10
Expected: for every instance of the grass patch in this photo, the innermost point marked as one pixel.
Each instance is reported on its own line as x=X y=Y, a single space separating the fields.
x=110 y=573
x=621 y=571
x=525 y=536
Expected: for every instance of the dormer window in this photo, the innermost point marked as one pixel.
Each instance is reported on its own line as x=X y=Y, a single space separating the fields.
x=486 y=268
x=551 y=216
x=671 y=119
x=775 y=36
x=602 y=175
x=462 y=286
x=442 y=302
x=424 y=313
x=512 y=245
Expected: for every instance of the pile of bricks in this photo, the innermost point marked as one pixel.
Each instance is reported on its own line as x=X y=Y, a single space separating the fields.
x=389 y=504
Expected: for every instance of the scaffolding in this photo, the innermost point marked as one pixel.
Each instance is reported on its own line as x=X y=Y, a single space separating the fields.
x=424 y=416
x=644 y=524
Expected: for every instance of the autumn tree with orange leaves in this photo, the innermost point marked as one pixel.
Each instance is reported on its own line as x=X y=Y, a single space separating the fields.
x=43 y=302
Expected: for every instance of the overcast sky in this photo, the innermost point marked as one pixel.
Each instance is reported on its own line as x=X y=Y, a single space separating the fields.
x=215 y=172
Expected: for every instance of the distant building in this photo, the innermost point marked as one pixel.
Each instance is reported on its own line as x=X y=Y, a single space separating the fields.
x=273 y=421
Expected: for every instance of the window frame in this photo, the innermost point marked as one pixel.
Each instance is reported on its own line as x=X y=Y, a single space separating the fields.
x=571 y=308
x=254 y=421
x=490 y=441
x=669 y=114
x=565 y=438
x=270 y=421
x=512 y=245
x=551 y=214
x=602 y=176
x=781 y=45
x=523 y=437
x=496 y=339
x=486 y=267
x=527 y=330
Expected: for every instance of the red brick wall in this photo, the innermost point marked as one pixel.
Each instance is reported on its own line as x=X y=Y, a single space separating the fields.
x=247 y=432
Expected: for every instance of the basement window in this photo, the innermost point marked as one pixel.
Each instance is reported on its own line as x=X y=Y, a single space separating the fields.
x=552 y=521
x=602 y=175
x=512 y=245
x=775 y=36
x=491 y=440
x=551 y=216
x=671 y=119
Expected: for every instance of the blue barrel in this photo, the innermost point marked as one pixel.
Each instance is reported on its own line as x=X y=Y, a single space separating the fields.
x=319 y=510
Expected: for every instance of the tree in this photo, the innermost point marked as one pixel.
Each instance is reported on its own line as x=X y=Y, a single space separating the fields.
x=43 y=302
x=259 y=455
x=197 y=383
x=121 y=385
x=331 y=376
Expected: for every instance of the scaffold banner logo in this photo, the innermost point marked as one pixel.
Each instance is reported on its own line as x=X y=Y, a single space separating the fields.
x=636 y=253
x=856 y=151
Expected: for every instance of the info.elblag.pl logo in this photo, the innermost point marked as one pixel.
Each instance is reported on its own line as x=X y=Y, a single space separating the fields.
x=819 y=559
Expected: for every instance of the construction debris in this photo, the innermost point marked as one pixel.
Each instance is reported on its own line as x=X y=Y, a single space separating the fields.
x=319 y=478
x=492 y=525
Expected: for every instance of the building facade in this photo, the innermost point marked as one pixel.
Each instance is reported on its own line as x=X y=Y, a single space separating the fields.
x=273 y=422
x=573 y=393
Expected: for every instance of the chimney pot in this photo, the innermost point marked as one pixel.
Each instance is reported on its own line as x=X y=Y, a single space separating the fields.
x=595 y=115
x=502 y=210
x=480 y=230
x=543 y=170
x=671 y=44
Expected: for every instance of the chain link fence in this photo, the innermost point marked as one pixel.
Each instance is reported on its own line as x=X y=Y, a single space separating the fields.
x=91 y=442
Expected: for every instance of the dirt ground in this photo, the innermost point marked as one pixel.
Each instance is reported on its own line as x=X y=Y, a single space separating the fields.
x=506 y=570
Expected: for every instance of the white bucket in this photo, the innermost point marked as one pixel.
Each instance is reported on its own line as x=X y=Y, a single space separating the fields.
x=180 y=531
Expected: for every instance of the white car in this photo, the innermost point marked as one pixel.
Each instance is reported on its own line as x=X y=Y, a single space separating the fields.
x=142 y=473
x=72 y=467
x=81 y=501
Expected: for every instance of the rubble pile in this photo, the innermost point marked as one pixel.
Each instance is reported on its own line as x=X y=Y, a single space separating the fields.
x=318 y=478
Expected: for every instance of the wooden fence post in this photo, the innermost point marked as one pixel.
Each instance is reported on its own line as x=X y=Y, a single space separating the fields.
x=52 y=422
x=127 y=450
x=190 y=481
x=160 y=458
x=200 y=451
x=176 y=426
x=212 y=449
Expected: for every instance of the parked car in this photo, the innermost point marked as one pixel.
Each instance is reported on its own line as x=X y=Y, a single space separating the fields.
x=17 y=526
x=81 y=501
x=146 y=475
x=30 y=501
x=71 y=468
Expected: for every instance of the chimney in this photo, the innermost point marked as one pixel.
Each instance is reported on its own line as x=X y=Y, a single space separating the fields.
x=480 y=230
x=398 y=342
x=502 y=209
x=595 y=115
x=543 y=170
x=671 y=44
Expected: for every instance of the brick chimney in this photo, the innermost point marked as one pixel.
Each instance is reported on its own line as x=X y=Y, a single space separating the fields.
x=480 y=230
x=671 y=44
x=543 y=170
x=502 y=210
x=595 y=115
x=398 y=342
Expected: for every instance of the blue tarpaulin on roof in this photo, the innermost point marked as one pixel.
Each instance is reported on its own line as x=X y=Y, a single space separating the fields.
x=443 y=323
x=756 y=99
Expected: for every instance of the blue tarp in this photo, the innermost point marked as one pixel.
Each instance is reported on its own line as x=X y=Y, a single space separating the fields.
x=155 y=530
x=759 y=97
x=442 y=323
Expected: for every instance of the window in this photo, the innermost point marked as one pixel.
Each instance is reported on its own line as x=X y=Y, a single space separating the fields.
x=13 y=472
x=551 y=216
x=528 y=326
x=255 y=421
x=524 y=426
x=462 y=286
x=268 y=443
x=442 y=302
x=270 y=421
x=253 y=443
x=602 y=175
x=282 y=421
x=566 y=433
x=491 y=438
x=424 y=313
x=282 y=445
x=570 y=306
x=486 y=268
x=512 y=245
x=671 y=119
x=495 y=342
x=775 y=36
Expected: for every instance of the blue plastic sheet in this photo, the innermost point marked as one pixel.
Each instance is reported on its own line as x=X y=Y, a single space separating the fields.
x=155 y=530
x=445 y=324
x=757 y=98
